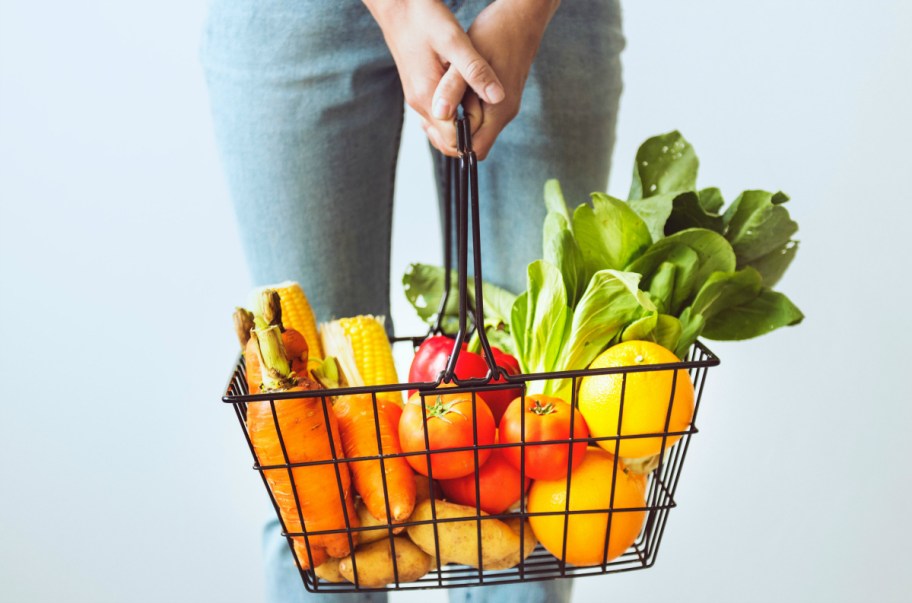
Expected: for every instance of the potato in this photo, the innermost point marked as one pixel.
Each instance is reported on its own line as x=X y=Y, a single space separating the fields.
x=375 y=563
x=367 y=521
x=329 y=571
x=458 y=540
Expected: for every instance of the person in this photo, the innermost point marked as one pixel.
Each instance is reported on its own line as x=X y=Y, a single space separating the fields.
x=308 y=98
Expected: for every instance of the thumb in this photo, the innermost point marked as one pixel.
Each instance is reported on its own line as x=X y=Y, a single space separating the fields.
x=473 y=68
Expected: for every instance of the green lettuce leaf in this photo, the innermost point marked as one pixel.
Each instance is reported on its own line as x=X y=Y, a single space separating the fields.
x=768 y=311
x=611 y=301
x=540 y=318
x=609 y=233
x=760 y=230
x=423 y=286
x=688 y=211
x=663 y=329
x=664 y=164
x=696 y=254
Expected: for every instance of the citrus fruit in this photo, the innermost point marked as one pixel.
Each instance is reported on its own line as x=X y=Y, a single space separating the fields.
x=646 y=399
x=590 y=489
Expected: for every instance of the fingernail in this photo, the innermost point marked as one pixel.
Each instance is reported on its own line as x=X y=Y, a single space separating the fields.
x=495 y=93
x=441 y=109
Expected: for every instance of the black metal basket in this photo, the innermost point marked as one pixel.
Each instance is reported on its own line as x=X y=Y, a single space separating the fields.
x=662 y=478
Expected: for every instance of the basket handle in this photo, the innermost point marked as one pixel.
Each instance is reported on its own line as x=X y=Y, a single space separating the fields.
x=460 y=184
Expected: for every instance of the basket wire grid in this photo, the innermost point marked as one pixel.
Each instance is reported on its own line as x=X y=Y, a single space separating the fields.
x=662 y=480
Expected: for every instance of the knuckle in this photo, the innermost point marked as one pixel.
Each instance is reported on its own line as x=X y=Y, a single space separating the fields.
x=477 y=70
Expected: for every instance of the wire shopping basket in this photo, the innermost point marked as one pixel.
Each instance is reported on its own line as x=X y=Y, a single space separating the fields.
x=596 y=514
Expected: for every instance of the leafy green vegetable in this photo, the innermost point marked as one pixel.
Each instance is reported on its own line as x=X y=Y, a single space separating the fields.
x=561 y=250
x=664 y=164
x=423 y=286
x=760 y=230
x=611 y=301
x=669 y=265
x=654 y=211
x=540 y=318
x=609 y=233
x=688 y=211
x=711 y=199
x=663 y=329
x=766 y=312
x=696 y=253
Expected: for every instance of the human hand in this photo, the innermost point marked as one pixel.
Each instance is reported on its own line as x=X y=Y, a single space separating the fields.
x=426 y=41
x=507 y=33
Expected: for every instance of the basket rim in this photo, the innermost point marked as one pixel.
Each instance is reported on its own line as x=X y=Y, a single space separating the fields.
x=709 y=359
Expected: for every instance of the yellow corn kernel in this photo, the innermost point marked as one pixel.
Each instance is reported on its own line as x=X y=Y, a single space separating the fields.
x=371 y=352
x=298 y=315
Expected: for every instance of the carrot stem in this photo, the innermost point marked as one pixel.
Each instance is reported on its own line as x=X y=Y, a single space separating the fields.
x=275 y=369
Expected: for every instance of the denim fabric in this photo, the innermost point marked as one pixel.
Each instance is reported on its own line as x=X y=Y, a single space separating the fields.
x=308 y=109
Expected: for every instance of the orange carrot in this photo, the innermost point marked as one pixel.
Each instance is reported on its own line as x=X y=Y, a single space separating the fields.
x=295 y=345
x=358 y=427
x=307 y=437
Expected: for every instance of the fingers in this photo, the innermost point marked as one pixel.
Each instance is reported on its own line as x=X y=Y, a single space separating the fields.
x=473 y=68
x=448 y=94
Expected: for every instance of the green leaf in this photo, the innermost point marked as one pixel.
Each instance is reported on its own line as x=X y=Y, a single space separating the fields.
x=609 y=233
x=654 y=211
x=691 y=328
x=725 y=290
x=561 y=250
x=766 y=312
x=540 y=318
x=554 y=199
x=663 y=329
x=664 y=164
x=611 y=301
x=696 y=253
x=711 y=199
x=689 y=212
x=760 y=230
x=423 y=286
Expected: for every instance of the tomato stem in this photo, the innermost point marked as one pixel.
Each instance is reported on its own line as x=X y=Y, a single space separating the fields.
x=540 y=409
x=440 y=409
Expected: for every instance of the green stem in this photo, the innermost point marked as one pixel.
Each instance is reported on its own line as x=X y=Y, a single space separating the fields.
x=274 y=365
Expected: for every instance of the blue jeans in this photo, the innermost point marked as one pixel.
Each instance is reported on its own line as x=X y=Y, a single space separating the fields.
x=308 y=109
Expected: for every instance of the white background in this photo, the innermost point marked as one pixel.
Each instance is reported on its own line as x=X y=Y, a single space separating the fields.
x=125 y=479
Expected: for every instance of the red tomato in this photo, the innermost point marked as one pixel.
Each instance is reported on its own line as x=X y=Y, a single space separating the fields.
x=434 y=353
x=546 y=418
x=449 y=425
x=498 y=482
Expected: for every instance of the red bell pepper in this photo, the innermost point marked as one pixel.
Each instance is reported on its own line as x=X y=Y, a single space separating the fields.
x=432 y=356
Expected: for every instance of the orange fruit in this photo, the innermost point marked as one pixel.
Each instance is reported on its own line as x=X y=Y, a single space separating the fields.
x=646 y=398
x=590 y=489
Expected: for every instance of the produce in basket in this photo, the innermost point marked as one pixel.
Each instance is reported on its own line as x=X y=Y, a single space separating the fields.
x=499 y=483
x=591 y=489
x=361 y=425
x=362 y=349
x=433 y=354
x=668 y=265
x=270 y=313
x=646 y=396
x=457 y=420
x=540 y=418
x=374 y=563
x=297 y=314
x=457 y=541
x=323 y=491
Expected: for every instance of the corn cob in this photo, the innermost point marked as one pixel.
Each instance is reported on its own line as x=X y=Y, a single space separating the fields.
x=298 y=315
x=363 y=351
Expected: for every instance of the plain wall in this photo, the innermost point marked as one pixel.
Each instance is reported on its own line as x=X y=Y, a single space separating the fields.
x=124 y=478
